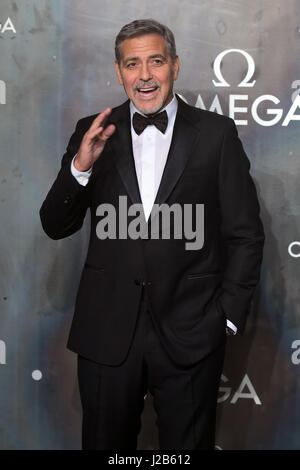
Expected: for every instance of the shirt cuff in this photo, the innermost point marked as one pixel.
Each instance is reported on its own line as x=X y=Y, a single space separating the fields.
x=81 y=176
x=231 y=326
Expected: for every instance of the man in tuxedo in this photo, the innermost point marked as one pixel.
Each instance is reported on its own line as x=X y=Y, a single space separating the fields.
x=150 y=314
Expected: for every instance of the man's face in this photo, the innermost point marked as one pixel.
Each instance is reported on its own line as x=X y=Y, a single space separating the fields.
x=146 y=72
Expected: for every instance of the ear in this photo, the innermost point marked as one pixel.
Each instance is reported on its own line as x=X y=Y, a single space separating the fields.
x=176 y=67
x=118 y=71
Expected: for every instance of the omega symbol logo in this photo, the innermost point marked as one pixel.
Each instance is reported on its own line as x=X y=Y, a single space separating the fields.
x=217 y=69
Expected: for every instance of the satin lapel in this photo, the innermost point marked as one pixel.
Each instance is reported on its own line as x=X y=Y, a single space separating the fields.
x=121 y=145
x=183 y=141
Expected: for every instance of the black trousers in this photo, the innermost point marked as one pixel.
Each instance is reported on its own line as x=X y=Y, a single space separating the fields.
x=184 y=399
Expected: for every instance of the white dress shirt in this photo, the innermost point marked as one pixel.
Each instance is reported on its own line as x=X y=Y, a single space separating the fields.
x=150 y=152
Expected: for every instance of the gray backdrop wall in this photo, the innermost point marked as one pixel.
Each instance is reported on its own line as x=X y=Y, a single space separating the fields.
x=56 y=67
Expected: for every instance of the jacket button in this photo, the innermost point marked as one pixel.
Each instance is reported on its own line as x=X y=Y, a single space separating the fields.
x=140 y=282
x=67 y=200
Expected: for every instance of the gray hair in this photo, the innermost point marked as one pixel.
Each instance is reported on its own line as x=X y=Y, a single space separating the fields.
x=140 y=27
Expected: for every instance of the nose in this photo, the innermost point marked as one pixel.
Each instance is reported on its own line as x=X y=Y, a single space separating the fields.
x=145 y=72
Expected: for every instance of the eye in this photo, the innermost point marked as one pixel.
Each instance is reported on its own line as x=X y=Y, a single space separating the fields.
x=131 y=65
x=157 y=61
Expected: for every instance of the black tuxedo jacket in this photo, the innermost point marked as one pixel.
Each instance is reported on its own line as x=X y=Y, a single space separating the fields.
x=191 y=292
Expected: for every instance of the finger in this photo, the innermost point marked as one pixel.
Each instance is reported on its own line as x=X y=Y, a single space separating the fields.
x=100 y=119
x=101 y=133
x=108 y=131
x=95 y=133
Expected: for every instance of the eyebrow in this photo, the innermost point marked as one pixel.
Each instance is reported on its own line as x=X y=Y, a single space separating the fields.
x=153 y=56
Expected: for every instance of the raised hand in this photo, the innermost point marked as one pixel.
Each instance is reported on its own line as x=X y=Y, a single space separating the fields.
x=93 y=142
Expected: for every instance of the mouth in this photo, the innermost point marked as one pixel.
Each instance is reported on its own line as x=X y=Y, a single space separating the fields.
x=147 y=93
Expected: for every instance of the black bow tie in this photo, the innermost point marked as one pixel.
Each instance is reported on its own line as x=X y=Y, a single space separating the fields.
x=140 y=122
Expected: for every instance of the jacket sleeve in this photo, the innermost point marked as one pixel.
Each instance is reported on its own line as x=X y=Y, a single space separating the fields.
x=63 y=210
x=242 y=231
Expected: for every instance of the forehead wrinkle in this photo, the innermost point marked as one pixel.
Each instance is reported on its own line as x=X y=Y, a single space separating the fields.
x=141 y=44
x=151 y=56
x=130 y=58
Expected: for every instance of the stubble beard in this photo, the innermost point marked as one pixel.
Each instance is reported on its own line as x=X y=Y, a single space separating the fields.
x=155 y=109
x=148 y=111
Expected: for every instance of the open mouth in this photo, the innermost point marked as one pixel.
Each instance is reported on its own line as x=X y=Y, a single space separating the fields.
x=147 y=92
